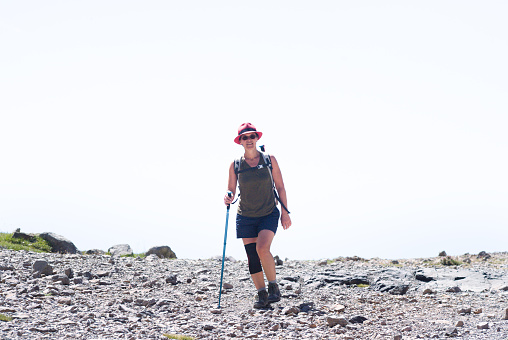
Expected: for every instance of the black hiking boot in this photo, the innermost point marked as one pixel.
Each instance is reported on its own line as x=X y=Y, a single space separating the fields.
x=273 y=292
x=262 y=301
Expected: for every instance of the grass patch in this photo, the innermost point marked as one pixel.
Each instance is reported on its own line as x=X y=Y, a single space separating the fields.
x=362 y=285
x=448 y=261
x=142 y=255
x=178 y=337
x=40 y=245
x=4 y=317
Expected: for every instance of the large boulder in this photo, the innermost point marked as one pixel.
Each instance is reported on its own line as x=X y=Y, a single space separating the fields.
x=162 y=252
x=59 y=244
x=120 y=250
x=28 y=237
x=95 y=252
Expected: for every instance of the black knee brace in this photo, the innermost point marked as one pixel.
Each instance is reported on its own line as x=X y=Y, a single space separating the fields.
x=253 y=257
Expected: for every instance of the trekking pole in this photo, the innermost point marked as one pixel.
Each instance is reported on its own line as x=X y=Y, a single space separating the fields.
x=224 y=249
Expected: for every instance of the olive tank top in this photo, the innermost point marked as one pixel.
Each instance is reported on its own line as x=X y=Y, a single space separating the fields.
x=256 y=191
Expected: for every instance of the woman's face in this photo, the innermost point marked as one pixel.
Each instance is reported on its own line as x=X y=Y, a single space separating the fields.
x=249 y=140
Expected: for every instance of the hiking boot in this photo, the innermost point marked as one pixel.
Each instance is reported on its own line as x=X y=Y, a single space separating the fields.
x=262 y=301
x=273 y=292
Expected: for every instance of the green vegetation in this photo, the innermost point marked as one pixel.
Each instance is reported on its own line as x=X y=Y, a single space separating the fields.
x=178 y=337
x=5 y=317
x=448 y=261
x=362 y=285
x=142 y=255
x=40 y=245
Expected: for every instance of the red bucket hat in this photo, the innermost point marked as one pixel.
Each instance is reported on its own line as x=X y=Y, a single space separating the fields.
x=246 y=128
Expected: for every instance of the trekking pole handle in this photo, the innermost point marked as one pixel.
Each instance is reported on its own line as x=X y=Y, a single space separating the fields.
x=230 y=194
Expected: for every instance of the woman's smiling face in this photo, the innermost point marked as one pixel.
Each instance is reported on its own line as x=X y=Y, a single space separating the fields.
x=249 y=140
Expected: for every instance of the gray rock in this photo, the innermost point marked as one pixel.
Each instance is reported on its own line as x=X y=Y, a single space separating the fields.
x=123 y=306
x=323 y=262
x=172 y=279
x=278 y=261
x=465 y=310
x=69 y=272
x=43 y=329
x=102 y=273
x=59 y=244
x=120 y=250
x=163 y=252
x=336 y=320
x=24 y=236
x=392 y=287
x=450 y=279
x=483 y=255
x=208 y=327
x=291 y=310
x=64 y=279
x=145 y=302
x=306 y=307
x=5 y=267
x=151 y=258
x=226 y=258
x=454 y=289
x=338 y=308
x=358 y=319
x=95 y=252
x=483 y=325
x=65 y=301
x=42 y=267
x=421 y=275
x=451 y=331
x=164 y=302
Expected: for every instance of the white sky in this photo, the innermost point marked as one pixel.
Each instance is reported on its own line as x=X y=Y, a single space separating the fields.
x=388 y=119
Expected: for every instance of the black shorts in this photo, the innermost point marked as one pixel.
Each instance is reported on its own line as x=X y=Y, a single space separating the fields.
x=248 y=227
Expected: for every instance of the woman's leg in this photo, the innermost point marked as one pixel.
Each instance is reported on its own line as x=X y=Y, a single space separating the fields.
x=263 y=244
x=257 y=278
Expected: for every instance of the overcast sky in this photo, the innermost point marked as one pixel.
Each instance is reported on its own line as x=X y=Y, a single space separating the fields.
x=388 y=119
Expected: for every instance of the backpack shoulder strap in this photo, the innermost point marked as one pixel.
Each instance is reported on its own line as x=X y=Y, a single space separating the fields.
x=237 y=162
x=268 y=163
x=267 y=160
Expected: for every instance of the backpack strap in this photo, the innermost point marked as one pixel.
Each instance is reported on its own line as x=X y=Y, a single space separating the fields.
x=268 y=162
x=237 y=162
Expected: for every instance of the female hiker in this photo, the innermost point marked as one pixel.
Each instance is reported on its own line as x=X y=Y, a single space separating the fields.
x=258 y=216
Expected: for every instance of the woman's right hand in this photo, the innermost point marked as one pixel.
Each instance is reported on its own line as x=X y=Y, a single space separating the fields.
x=228 y=198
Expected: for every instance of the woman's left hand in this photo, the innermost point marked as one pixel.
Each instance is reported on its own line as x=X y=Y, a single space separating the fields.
x=285 y=220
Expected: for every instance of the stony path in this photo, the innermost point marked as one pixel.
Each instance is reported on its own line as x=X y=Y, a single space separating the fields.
x=53 y=296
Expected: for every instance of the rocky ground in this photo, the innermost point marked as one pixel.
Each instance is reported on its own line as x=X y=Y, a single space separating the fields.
x=53 y=296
